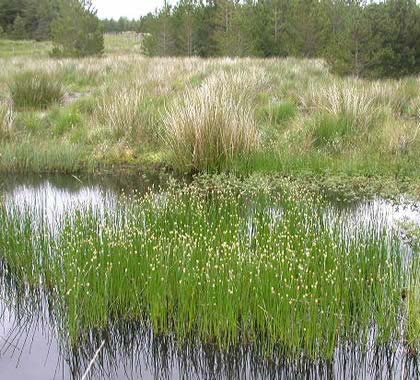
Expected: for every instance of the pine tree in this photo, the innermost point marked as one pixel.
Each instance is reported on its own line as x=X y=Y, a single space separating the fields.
x=19 y=31
x=307 y=23
x=161 y=40
x=351 y=42
x=357 y=37
x=77 y=31
x=38 y=16
x=184 y=24
x=230 y=28
x=401 y=35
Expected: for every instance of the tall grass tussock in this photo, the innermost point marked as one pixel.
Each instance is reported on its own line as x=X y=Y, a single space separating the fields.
x=119 y=110
x=346 y=100
x=208 y=127
x=7 y=118
x=35 y=90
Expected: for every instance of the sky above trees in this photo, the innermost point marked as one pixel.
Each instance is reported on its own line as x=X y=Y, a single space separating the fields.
x=127 y=8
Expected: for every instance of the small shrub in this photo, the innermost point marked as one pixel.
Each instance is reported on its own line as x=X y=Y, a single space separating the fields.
x=6 y=119
x=35 y=89
x=210 y=126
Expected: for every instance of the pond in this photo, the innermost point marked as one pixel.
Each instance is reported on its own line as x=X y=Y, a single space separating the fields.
x=126 y=278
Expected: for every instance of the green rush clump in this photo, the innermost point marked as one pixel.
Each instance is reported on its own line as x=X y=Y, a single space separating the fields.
x=35 y=90
x=216 y=264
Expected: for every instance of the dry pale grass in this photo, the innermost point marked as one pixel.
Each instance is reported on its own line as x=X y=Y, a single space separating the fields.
x=242 y=83
x=7 y=118
x=119 y=110
x=345 y=99
x=211 y=125
x=399 y=136
x=399 y=95
x=210 y=117
x=414 y=108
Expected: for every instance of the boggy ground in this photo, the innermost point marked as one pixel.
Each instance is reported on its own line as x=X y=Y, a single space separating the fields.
x=283 y=116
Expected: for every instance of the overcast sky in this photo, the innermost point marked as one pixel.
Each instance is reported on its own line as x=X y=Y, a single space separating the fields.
x=126 y=8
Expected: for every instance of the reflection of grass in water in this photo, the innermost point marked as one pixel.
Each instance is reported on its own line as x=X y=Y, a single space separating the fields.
x=131 y=347
x=413 y=326
x=226 y=266
x=412 y=235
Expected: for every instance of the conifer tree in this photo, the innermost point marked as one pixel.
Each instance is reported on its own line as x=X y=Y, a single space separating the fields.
x=77 y=31
x=19 y=31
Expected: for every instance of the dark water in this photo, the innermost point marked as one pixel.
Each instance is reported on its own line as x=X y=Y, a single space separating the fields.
x=30 y=347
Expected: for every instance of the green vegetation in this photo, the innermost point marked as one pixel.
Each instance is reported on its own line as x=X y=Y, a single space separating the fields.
x=48 y=156
x=413 y=325
x=34 y=49
x=72 y=25
x=260 y=262
x=282 y=116
x=77 y=31
x=124 y=43
x=35 y=90
x=212 y=125
x=218 y=261
x=361 y=38
x=412 y=232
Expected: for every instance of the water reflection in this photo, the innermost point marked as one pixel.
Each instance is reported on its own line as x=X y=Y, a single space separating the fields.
x=131 y=351
x=31 y=347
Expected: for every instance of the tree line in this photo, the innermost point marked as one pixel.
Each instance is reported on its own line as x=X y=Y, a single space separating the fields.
x=357 y=37
x=28 y=19
x=72 y=25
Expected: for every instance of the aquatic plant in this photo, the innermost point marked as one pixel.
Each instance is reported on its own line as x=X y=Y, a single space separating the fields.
x=413 y=303
x=413 y=329
x=213 y=262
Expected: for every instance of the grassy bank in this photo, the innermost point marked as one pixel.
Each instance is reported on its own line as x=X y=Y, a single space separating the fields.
x=284 y=116
x=223 y=263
